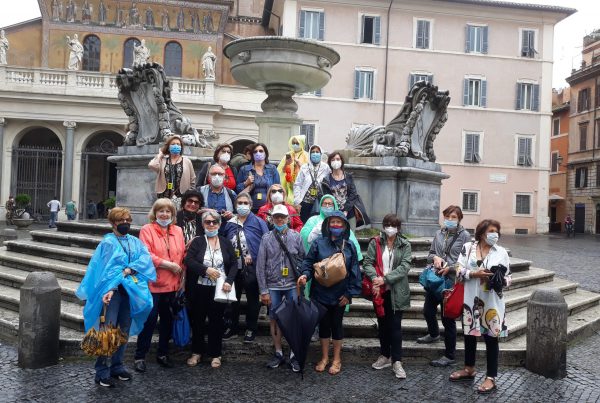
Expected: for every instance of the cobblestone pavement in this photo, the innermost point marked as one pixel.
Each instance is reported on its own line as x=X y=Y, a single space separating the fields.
x=251 y=381
x=576 y=259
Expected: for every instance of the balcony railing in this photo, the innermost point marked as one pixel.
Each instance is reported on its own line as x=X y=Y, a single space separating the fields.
x=88 y=83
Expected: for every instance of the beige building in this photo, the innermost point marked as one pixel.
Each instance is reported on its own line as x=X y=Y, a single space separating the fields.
x=495 y=58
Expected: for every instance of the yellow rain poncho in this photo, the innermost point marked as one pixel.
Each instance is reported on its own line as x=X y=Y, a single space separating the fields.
x=288 y=170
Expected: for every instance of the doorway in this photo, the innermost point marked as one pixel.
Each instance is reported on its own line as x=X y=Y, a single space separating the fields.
x=579 y=218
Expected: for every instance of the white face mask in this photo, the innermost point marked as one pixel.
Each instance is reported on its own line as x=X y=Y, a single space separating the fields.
x=492 y=238
x=225 y=157
x=390 y=231
x=217 y=180
x=337 y=164
x=277 y=198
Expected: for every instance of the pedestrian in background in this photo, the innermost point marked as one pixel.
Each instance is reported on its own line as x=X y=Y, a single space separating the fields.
x=165 y=243
x=71 y=210
x=91 y=210
x=54 y=206
x=394 y=253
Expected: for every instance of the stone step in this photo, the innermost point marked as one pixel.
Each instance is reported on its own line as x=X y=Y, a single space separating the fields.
x=90 y=228
x=62 y=269
x=58 y=252
x=86 y=241
x=15 y=278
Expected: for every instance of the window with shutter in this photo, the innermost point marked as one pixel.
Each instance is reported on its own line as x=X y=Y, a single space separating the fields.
x=597 y=175
x=556 y=127
x=311 y=24
x=554 y=162
x=581 y=175
x=371 y=30
x=423 y=34
x=308 y=130
x=524 y=151
x=476 y=39
x=583 y=100
x=472 y=148
x=583 y=137
x=416 y=77
x=363 y=84
x=528 y=43
x=475 y=92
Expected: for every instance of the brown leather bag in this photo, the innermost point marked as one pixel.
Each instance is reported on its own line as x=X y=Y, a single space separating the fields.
x=331 y=270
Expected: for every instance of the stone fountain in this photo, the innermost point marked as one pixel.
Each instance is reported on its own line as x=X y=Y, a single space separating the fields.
x=281 y=67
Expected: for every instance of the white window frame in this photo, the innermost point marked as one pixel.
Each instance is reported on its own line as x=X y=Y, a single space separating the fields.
x=314 y=123
x=420 y=73
x=481 y=79
x=536 y=55
x=478 y=52
x=530 y=195
x=360 y=29
x=552 y=170
x=367 y=70
x=532 y=156
x=469 y=212
x=431 y=22
x=464 y=143
x=311 y=10
x=557 y=125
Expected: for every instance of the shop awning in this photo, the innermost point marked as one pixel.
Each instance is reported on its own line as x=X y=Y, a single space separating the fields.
x=555 y=197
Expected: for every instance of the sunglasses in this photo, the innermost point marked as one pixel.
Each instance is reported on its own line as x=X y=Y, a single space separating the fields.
x=277 y=191
x=211 y=222
x=193 y=201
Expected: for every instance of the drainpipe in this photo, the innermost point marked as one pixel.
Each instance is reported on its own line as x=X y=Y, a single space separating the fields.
x=594 y=123
x=387 y=51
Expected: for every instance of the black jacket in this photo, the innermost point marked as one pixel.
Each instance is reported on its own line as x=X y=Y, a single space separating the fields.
x=353 y=203
x=199 y=227
x=194 y=261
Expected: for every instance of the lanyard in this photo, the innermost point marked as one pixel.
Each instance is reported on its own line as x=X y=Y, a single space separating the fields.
x=167 y=243
x=211 y=252
x=126 y=250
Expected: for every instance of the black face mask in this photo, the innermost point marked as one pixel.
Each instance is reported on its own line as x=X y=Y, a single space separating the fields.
x=189 y=215
x=123 y=228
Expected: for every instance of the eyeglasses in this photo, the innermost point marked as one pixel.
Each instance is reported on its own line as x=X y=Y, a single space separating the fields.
x=245 y=203
x=276 y=191
x=216 y=174
x=211 y=222
x=193 y=201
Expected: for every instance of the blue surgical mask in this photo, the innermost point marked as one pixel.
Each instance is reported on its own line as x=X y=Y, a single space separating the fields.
x=280 y=228
x=163 y=223
x=315 y=158
x=175 y=149
x=296 y=147
x=243 y=210
x=336 y=232
x=492 y=238
x=450 y=224
x=211 y=234
x=327 y=210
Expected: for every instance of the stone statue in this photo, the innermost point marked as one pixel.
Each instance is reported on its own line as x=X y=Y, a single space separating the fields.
x=56 y=10
x=145 y=96
x=86 y=13
x=70 y=17
x=149 y=18
x=209 y=60
x=411 y=133
x=101 y=13
x=166 y=26
x=3 y=48
x=141 y=54
x=195 y=21
x=208 y=22
x=134 y=15
x=75 y=53
x=181 y=20
x=119 y=16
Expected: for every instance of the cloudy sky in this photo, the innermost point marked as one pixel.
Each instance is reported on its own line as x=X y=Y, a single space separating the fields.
x=568 y=33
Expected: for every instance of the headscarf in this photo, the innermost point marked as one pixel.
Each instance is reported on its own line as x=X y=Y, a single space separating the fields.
x=288 y=174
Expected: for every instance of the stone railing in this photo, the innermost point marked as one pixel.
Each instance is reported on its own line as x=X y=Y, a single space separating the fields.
x=89 y=83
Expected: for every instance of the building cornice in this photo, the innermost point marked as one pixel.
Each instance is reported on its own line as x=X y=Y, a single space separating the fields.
x=584 y=74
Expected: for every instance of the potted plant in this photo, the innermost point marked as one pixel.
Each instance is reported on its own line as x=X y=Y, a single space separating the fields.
x=109 y=203
x=22 y=218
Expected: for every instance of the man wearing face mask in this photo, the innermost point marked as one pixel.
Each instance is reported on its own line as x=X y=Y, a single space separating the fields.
x=189 y=218
x=307 y=187
x=277 y=276
x=222 y=157
x=216 y=196
x=443 y=255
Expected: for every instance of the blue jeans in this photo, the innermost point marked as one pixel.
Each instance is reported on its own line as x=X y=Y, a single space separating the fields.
x=277 y=297
x=70 y=216
x=53 y=219
x=118 y=314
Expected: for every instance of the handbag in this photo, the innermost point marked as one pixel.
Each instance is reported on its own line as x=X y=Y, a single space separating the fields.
x=367 y=284
x=181 y=328
x=454 y=300
x=332 y=270
x=222 y=296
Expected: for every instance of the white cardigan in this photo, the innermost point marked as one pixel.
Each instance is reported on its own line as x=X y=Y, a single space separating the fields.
x=304 y=179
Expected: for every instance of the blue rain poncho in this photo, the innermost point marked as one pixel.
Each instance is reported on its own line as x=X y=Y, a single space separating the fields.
x=105 y=273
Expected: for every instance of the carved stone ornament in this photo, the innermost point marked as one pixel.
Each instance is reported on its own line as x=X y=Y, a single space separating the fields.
x=245 y=56
x=145 y=96
x=411 y=133
x=69 y=124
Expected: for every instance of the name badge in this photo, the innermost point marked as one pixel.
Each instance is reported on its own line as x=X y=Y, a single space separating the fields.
x=313 y=192
x=170 y=185
x=259 y=196
x=285 y=271
x=237 y=253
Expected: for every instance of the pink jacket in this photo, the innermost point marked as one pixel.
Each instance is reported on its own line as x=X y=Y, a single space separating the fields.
x=154 y=237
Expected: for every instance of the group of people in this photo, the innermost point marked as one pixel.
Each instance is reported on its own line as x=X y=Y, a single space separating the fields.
x=261 y=229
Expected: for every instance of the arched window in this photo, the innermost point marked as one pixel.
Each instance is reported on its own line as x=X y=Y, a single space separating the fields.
x=173 y=59
x=91 y=53
x=128 y=51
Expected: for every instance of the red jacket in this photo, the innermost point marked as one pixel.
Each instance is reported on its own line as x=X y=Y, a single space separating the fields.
x=153 y=236
x=295 y=221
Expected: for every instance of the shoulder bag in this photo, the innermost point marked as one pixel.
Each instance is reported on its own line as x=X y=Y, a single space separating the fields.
x=332 y=270
x=454 y=298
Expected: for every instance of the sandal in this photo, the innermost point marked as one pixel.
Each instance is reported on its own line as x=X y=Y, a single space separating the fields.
x=216 y=362
x=483 y=390
x=335 y=368
x=320 y=367
x=194 y=360
x=462 y=376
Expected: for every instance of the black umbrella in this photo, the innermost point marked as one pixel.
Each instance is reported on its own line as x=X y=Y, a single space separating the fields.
x=496 y=282
x=297 y=321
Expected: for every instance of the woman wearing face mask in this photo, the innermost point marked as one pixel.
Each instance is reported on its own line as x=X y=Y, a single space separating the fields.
x=474 y=264
x=175 y=173
x=120 y=266
x=209 y=257
x=277 y=196
x=340 y=184
x=443 y=255
x=256 y=178
x=307 y=187
x=165 y=243
x=336 y=233
x=390 y=284
x=290 y=165
x=221 y=156
x=244 y=231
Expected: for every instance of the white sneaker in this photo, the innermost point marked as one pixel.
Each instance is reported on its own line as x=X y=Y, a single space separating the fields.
x=398 y=370
x=382 y=362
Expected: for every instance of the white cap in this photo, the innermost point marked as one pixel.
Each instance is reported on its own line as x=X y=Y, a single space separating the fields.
x=280 y=209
